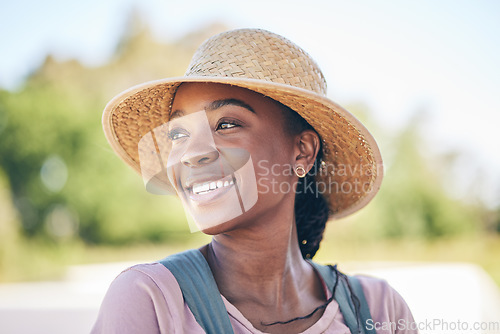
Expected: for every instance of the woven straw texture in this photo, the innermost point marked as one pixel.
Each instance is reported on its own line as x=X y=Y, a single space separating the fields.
x=269 y=64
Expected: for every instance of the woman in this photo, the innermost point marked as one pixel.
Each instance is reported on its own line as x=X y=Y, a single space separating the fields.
x=260 y=159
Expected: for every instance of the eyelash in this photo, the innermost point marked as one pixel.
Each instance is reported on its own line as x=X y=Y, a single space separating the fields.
x=232 y=124
x=172 y=134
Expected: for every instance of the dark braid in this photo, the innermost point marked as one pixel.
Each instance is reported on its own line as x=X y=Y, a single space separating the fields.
x=311 y=208
x=311 y=215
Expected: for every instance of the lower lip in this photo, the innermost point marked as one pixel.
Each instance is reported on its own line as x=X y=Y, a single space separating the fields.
x=207 y=198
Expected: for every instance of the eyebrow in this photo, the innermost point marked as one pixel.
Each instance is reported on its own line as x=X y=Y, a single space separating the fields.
x=216 y=105
x=177 y=113
x=221 y=103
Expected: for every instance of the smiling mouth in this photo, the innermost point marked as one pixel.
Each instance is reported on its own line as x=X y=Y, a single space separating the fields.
x=206 y=187
x=208 y=192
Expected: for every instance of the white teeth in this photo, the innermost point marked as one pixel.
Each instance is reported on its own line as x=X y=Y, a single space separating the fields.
x=202 y=188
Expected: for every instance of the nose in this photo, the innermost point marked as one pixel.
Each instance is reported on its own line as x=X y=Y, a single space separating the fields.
x=196 y=160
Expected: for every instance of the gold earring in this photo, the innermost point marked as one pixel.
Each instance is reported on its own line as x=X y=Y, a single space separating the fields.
x=300 y=171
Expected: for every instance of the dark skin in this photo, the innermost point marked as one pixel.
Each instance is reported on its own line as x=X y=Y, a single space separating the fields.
x=255 y=258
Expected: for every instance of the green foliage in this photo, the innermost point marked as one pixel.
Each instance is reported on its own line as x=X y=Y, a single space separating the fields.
x=413 y=201
x=65 y=181
x=67 y=184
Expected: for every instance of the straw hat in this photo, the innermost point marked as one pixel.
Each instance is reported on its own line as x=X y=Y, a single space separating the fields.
x=351 y=171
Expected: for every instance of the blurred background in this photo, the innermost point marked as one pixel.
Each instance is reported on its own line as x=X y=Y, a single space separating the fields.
x=423 y=76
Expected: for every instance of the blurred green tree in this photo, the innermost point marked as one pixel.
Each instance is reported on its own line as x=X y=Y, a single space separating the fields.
x=64 y=179
x=413 y=200
x=66 y=182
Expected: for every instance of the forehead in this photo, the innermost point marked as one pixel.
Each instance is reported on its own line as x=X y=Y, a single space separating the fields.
x=193 y=96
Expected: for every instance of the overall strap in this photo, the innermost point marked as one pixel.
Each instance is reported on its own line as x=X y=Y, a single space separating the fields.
x=199 y=290
x=343 y=298
x=364 y=310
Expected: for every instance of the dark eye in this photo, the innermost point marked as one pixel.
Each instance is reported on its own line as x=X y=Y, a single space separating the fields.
x=227 y=124
x=176 y=134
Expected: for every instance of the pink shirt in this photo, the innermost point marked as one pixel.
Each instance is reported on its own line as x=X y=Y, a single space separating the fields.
x=146 y=299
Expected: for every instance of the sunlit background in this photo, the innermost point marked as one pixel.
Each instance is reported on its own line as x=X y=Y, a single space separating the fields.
x=424 y=76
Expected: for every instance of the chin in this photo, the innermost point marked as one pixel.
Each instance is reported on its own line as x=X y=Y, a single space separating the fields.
x=213 y=230
x=230 y=225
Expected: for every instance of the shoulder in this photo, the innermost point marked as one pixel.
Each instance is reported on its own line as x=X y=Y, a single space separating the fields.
x=150 y=277
x=389 y=311
x=376 y=289
x=141 y=299
x=149 y=281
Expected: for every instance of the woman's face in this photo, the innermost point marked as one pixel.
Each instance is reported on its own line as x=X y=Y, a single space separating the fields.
x=230 y=158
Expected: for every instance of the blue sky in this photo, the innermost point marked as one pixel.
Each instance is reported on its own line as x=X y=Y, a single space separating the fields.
x=396 y=56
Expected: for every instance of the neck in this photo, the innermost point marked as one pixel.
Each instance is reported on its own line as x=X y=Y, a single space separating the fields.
x=261 y=263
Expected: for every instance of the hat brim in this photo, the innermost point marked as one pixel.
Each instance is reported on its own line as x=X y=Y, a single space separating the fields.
x=354 y=168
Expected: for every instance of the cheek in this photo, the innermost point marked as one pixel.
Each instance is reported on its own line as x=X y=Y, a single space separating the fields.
x=274 y=181
x=273 y=158
x=274 y=145
x=274 y=173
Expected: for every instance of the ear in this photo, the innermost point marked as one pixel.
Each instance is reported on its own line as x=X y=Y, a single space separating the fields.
x=306 y=149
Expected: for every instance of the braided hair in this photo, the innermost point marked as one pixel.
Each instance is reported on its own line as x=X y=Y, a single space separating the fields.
x=311 y=215
x=311 y=208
